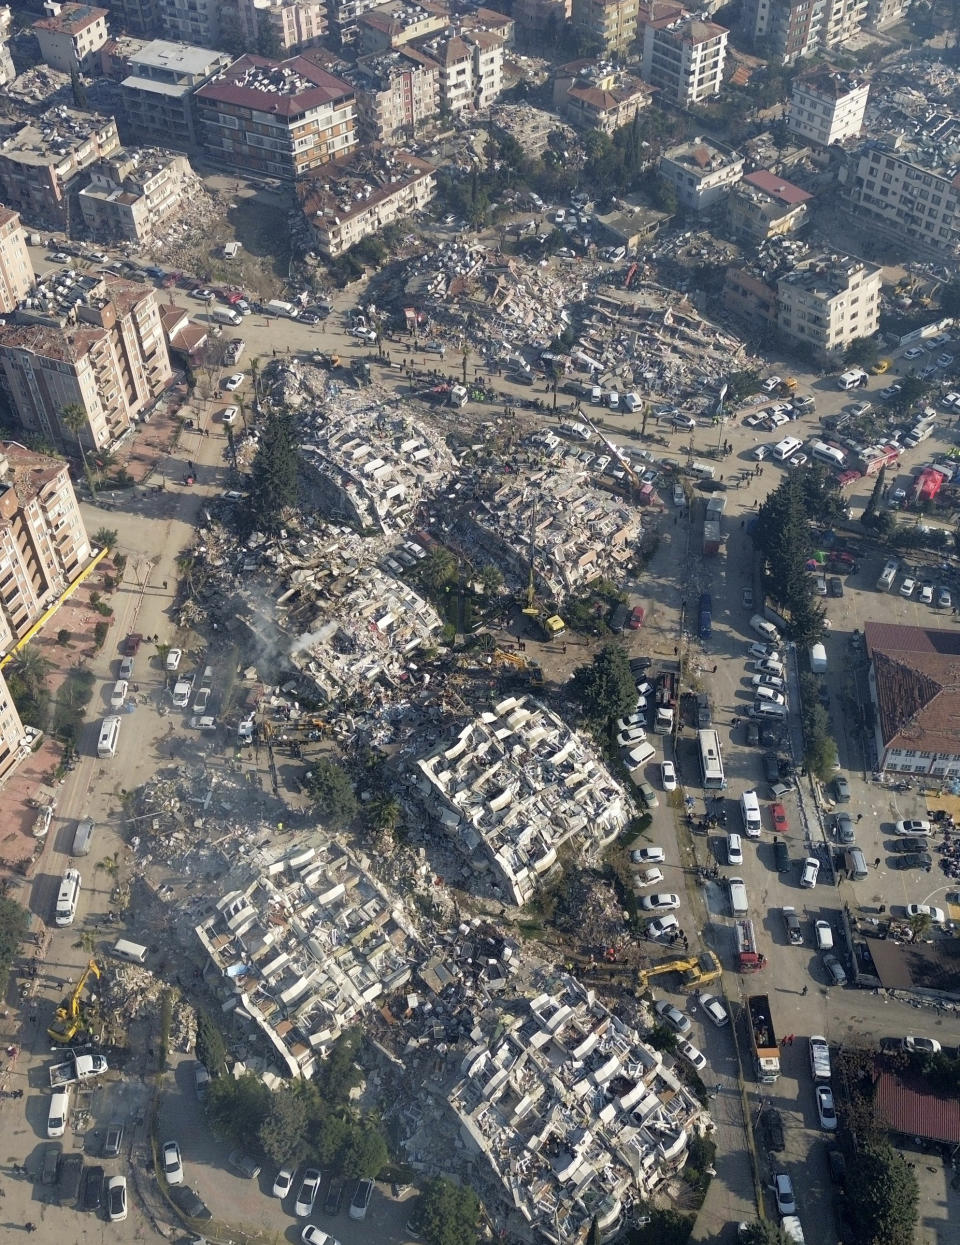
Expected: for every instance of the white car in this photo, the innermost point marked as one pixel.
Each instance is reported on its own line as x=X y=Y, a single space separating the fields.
x=119 y=694
x=772 y=384
x=668 y=776
x=915 y=352
x=944 y=600
x=734 y=849
x=914 y=826
x=672 y=1015
x=629 y=738
x=783 y=1189
x=929 y=1046
x=761 y=452
x=662 y=925
x=229 y=416
x=907 y=587
x=715 y=1010
x=630 y=721
x=308 y=1193
x=660 y=902
x=172 y=1164
x=647 y=856
x=768 y=680
x=926 y=594
x=173 y=658
x=808 y=875
x=117 y=1199
x=778 y=418
x=312 y=1235
x=692 y=1055
x=950 y=400
x=763 y=651
x=769 y=665
x=768 y=694
x=798 y=460
x=826 y=1109
x=649 y=877
x=233 y=382
x=283 y=1183
x=944 y=360
x=936 y=915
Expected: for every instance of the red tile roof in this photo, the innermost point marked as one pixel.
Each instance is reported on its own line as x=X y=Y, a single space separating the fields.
x=904 y=1103
x=783 y=191
x=917 y=677
x=230 y=87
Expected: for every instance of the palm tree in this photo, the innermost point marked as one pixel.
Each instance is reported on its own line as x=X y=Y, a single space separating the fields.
x=242 y=408
x=465 y=355
x=105 y=537
x=255 y=376
x=74 y=417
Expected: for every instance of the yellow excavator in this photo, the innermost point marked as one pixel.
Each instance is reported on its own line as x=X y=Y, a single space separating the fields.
x=501 y=657
x=551 y=625
x=696 y=970
x=70 y=1018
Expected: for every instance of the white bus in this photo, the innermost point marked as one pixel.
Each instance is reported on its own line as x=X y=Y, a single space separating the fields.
x=67 y=898
x=711 y=760
x=109 y=734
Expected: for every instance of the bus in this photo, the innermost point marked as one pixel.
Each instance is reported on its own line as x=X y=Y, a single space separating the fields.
x=711 y=760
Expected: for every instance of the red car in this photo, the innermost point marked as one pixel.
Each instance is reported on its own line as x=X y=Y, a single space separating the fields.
x=132 y=643
x=779 y=814
x=637 y=615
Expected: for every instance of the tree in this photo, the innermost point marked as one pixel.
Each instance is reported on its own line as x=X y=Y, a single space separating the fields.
x=605 y=688
x=384 y=813
x=27 y=683
x=78 y=89
x=273 y=476
x=331 y=790
x=237 y=1108
x=884 y=1197
x=268 y=41
x=14 y=924
x=437 y=569
x=447 y=1213
x=364 y=1153
x=105 y=537
x=912 y=389
x=491 y=580
x=876 y=498
x=74 y=418
x=862 y=352
x=210 y=1046
x=283 y=1134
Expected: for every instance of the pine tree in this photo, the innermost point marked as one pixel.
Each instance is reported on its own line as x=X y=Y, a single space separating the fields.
x=273 y=477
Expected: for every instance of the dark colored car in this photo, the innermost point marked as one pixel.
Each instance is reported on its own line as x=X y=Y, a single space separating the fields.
x=334 y=1199
x=50 y=1164
x=131 y=645
x=753 y=734
x=639 y=664
x=93 y=1189
x=771 y=767
x=781 y=854
x=189 y=1202
x=918 y=860
x=244 y=1165
x=834 y=586
x=904 y=845
x=71 y=1177
x=843 y=830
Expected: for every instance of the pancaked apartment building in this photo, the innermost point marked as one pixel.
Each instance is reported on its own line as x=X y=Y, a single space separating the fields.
x=576 y=1117
x=302 y=945
x=509 y=787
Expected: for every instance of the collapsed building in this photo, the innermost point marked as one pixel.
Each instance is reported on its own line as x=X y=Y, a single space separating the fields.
x=511 y=786
x=304 y=945
x=574 y=1113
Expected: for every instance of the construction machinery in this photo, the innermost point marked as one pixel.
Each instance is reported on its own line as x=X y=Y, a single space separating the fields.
x=71 y=1017
x=612 y=449
x=551 y=625
x=694 y=971
x=500 y=657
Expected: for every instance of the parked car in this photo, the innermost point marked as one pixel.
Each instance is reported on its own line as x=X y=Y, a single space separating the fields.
x=914 y=826
x=809 y=872
x=715 y=1010
x=692 y=1055
x=907 y=587
x=668 y=776
x=174 y=657
x=308 y=1193
x=360 y=1201
x=660 y=902
x=93 y=1189
x=283 y=1182
x=243 y=1164
x=783 y=1191
x=826 y=1109
x=672 y=1016
x=647 y=794
x=647 y=855
x=334 y=1198
x=649 y=877
x=117 y=1199
x=663 y=925
x=937 y=915
x=233 y=382
x=834 y=969
x=923 y=1045
x=172 y=1163
x=843 y=830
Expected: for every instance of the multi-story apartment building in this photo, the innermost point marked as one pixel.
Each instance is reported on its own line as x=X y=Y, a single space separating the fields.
x=361 y=193
x=537 y=20
x=389 y=26
x=7 y=69
x=598 y=96
x=112 y=364
x=71 y=37
x=882 y=14
x=683 y=56
x=701 y=172
x=39 y=164
x=276 y=118
x=135 y=17
x=157 y=94
x=470 y=64
x=14 y=745
x=829 y=301
x=396 y=93
x=297 y=24
x=764 y=206
x=135 y=192
x=191 y=21
x=610 y=24
x=43 y=543
x=786 y=30
x=827 y=107
x=906 y=188
x=16 y=270
x=842 y=19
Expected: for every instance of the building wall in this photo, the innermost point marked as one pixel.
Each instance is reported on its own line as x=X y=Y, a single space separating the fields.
x=697 y=190
x=410 y=98
x=842 y=19
x=823 y=117
x=133 y=206
x=16 y=270
x=64 y=51
x=882 y=14
x=686 y=69
x=830 y=320
x=755 y=217
x=274 y=145
x=191 y=21
x=11 y=732
x=891 y=192
x=612 y=23
x=135 y=17
x=37 y=188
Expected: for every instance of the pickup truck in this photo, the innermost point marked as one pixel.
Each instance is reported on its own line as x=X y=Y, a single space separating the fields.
x=78 y=1068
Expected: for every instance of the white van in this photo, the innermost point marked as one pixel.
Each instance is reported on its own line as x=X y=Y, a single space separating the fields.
x=827 y=454
x=852 y=379
x=226 y=315
x=786 y=448
x=119 y=694
x=760 y=625
x=109 y=734
x=705 y=470
x=613 y=400
x=123 y=949
x=640 y=755
x=631 y=401
x=750 y=812
x=823 y=935
x=231 y=250
x=59 y=1113
x=767 y=709
x=83 y=838
x=67 y=896
x=738 y=896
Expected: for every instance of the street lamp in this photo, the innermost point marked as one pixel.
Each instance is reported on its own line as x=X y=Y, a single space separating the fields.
x=723 y=394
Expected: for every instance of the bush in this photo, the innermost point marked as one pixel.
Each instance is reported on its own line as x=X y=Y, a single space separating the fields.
x=100 y=634
x=64 y=636
x=210 y=1046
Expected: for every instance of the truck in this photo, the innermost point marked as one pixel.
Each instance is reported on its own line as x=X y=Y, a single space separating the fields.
x=819 y=1057
x=77 y=1068
x=766 y=1048
x=666 y=702
x=704 y=711
x=749 y=959
x=712 y=538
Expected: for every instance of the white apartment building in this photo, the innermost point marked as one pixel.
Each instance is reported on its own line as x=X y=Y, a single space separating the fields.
x=842 y=19
x=828 y=302
x=701 y=172
x=684 y=57
x=470 y=67
x=907 y=189
x=882 y=14
x=135 y=192
x=297 y=23
x=16 y=270
x=113 y=364
x=397 y=92
x=827 y=107
x=191 y=21
x=71 y=36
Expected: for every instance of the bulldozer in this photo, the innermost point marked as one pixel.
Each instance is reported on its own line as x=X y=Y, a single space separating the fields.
x=71 y=1018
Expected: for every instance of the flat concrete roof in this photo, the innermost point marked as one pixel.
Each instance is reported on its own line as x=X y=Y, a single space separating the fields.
x=182 y=57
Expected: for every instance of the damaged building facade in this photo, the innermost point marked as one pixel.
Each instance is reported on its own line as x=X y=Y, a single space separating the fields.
x=510 y=786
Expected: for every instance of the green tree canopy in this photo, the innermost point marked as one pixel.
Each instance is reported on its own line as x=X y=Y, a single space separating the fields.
x=273 y=476
x=447 y=1213
x=283 y=1134
x=862 y=351
x=14 y=924
x=211 y=1048
x=331 y=790
x=605 y=688
x=364 y=1153
x=237 y=1109
x=884 y=1197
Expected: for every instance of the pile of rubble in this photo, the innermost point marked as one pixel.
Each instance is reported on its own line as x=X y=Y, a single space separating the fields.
x=175 y=243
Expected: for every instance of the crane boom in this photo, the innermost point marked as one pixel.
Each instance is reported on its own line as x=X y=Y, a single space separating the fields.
x=614 y=450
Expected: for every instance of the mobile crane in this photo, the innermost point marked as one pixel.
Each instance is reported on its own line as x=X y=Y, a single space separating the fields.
x=70 y=1018
x=551 y=625
x=614 y=450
